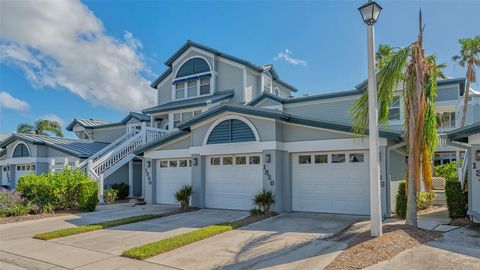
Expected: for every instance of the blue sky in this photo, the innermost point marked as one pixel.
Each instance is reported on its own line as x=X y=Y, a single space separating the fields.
x=96 y=59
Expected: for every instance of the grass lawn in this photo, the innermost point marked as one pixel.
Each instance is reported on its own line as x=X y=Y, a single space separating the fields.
x=103 y=225
x=165 y=245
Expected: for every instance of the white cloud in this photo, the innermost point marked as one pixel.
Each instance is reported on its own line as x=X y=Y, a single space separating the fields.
x=61 y=44
x=10 y=102
x=52 y=117
x=287 y=56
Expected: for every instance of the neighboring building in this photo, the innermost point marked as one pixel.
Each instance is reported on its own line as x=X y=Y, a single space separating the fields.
x=231 y=128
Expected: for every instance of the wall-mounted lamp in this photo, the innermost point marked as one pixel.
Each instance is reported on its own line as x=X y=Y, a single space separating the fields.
x=268 y=158
x=195 y=161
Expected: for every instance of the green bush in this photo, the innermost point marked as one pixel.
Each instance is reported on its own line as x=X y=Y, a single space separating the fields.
x=456 y=202
x=110 y=195
x=66 y=183
x=425 y=200
x=123 y=190
x=401 y=200
x=183 y=196
x=263 y=201
x=87 y=195
x=39 y=191
x=255 y=212
x=447 y=171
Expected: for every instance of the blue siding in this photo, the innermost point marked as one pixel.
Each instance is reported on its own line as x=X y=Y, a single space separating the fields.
x=231 y=131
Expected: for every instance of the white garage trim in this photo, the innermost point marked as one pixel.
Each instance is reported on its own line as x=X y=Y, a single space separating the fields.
x=229 y=117
x=177 y=153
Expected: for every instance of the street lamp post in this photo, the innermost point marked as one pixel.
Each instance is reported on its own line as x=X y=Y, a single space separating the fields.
x=370 y=12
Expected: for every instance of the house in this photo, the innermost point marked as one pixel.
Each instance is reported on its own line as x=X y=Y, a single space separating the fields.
x=231 y=128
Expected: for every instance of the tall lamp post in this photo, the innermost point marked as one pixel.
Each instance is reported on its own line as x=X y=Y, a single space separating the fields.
x=370 y=12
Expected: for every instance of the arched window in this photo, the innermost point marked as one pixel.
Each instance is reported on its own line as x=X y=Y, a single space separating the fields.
x=231 y=131
x=21 y=150
x=192 y=79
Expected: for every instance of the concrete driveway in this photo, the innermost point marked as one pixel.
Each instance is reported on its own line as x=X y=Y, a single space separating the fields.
x=287 y=241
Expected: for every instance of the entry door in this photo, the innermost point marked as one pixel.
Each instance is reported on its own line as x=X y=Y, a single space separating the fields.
x=334 y=182
x=5 y=175
x=172 y=174
x=232 y=181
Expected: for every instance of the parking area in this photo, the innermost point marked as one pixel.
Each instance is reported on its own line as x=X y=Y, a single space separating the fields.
x=285 y=241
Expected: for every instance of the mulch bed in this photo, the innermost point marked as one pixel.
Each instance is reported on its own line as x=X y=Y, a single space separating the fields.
x=461 y=222
x=364 y=250
x=252 y=219
x=13 y=219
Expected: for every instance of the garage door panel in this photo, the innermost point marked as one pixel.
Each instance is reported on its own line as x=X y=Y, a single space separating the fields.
x=330 y=187
x=169 y=181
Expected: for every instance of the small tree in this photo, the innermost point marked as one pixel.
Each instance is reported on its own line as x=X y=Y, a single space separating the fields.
x=264 y=201
x=183 y=196
x=41 y=127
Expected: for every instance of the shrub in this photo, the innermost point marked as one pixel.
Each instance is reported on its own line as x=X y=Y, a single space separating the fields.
x=425 y=200
x=401 y=200
x=87 y=195
x=39 y=191
x=447 y=171
x=263 y=201
x=456 y=202
x=110 y=195
x=255 y=212
x=66 y=183
x=183 y=196
x=12 y=204
x=123 y=190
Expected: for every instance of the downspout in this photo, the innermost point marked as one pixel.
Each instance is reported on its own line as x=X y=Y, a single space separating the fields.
x=394 y=147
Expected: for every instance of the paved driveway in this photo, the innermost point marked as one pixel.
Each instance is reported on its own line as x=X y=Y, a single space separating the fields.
x=287 y=241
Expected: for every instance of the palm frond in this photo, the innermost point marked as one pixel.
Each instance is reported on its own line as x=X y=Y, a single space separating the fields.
x=25 y=129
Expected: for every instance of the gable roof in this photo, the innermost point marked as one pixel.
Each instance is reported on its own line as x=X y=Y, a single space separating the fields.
x=75 y=147
x=190 y=103
x=191 y=43
x=87 y=123
x=184 y=128
x=305 y=98
x=461 y=134
x=138 y=116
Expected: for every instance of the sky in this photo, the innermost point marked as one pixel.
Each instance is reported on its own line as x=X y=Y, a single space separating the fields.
x=94 y=59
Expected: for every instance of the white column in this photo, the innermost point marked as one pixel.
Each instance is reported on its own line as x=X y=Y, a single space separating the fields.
x=77 y=164
x=100 y=189
x=65 y=164
x=375 y=199
x=130 y=179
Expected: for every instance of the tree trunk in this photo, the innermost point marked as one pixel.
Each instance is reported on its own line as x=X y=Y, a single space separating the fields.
x=466 y=93
x=411 y=215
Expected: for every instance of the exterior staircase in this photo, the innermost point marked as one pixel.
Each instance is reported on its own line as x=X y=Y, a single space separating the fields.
x=119 y=152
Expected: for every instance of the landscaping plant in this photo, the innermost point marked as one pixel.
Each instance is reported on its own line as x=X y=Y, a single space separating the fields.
x=183 y=196
x=447 y=171
x=424 y=200
x=88 y=195
x=263 y=202
x=12 y=204
x=123 y=190
x=110 y=195
x=456 y=202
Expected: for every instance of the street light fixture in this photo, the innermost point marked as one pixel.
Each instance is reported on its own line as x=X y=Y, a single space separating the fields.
x=370 y=13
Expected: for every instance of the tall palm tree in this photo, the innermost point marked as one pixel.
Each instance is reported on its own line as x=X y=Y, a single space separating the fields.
x=469 y=56
x=41 y=127
x=418 y=75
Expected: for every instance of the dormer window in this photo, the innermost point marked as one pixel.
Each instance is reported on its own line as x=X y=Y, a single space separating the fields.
x=193 y=79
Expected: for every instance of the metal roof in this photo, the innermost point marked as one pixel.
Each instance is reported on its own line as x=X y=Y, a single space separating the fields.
x=305 y=98
x=139 y=116
x=75 y=147
x=192 y=102
x=461 y=134
x=87 y=123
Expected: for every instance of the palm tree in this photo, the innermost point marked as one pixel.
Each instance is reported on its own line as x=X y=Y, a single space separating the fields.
x=41 y=127
x=417 y=74
x=469 y=56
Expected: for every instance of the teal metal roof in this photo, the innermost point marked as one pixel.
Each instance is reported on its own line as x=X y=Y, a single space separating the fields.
x=139 y=116
x=461 y=134
x=190 y=43
x=190 y=103
x=75 y=147
x=87 y=123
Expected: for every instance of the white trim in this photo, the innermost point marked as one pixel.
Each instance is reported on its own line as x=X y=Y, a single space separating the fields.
x=14 y=161
x=189 y=58
x=229 y=117
x=234 y=148
x=179 y=58
x=18 y=143
x=162 y=154
x=245 y=86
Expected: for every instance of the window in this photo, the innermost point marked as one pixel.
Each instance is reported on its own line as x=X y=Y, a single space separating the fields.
x=319 y=159
x=227 y=160
x=204 y=86
x=179 y=90
x=394 y=109
x=240 y=160
x=177 y=119
x=277 y=91
x=163 y=164
x=338 y=158
x=254 y=160
x=304 y=159
x=193 y=66
x=446 y=120
x=173 y=163
x=183 y=163
x=267 y=84
x=356 y=157
x=32 y=167
x=231 y=131
x=215 y=161
x=192 y=88
x=18 y=168
x=21 y=150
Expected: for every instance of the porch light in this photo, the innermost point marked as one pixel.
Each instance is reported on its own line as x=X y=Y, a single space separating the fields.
x=370 y=12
